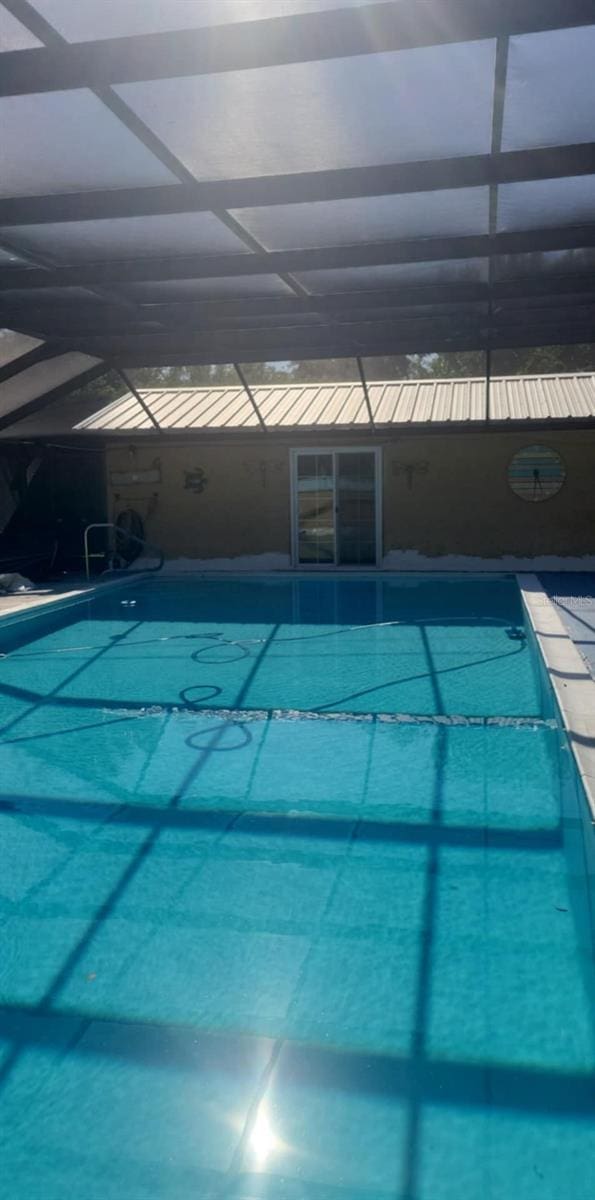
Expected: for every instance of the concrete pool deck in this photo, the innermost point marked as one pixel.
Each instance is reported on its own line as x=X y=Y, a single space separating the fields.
x=19 y=604
x=573 y=594
x=15 y=603
x=569 y=671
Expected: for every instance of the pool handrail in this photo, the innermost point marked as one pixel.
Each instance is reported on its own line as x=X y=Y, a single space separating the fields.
x=125 y=534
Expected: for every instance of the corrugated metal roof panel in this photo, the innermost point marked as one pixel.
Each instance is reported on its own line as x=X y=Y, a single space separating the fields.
x=405 y=400
x=586 y=389
x=478 y=400
x=381 y=401
x=329 y=405
x=424 y=403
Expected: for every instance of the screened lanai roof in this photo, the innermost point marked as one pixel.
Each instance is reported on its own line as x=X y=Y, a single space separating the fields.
x=193 y=181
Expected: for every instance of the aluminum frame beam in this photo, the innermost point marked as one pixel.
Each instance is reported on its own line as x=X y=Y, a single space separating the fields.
x=278 y=41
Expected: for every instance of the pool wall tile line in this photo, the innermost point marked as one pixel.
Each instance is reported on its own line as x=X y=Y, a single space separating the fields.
x=242 y=716
x=569 y=676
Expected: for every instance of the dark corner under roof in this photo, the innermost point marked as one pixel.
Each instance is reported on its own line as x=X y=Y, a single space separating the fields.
x=161 y=202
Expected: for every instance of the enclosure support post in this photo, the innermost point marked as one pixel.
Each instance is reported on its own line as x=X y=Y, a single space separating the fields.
x=138 y=397
x=360 y=367
x=249 y=393
x=488 y=380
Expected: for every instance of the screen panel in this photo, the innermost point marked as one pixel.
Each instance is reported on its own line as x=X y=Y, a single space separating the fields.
x=544 y=263
x=451 y=213
x=427 y=366
x=546 y=203
x=346 y=279
x=128 y=237
x=13 y=35
x=13 y=345
x=8 y=259
x=550 y=95
x=69 y=142
x=43 y=377
x=303 y=371
x=219 y=288
x=54 y=295
x=388 y=107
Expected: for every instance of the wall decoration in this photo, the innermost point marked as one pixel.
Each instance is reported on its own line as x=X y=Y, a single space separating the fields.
x=409 y=469
x=122 y=478
x=195 y=480
x=150 y=474
x=536 y=473
x=263 y=469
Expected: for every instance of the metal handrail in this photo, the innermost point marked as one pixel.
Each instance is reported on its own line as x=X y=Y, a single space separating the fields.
x=125 y=534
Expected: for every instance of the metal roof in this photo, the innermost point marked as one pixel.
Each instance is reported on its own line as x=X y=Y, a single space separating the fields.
x=245 y=180
x=342 y=405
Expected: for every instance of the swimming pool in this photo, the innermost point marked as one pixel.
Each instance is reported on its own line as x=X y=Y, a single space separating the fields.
x=294 y=898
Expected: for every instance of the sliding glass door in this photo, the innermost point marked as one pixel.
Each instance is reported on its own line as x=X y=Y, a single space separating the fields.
x=335 y=507
x=315 y=509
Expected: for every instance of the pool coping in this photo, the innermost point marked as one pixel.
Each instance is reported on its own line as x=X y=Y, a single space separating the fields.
x=569 y=676
x=30 y=604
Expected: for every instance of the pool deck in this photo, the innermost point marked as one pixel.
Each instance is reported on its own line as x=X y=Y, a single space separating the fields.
x=44 y=595
x=569 y=670
x=573 y=594
x=13 y=603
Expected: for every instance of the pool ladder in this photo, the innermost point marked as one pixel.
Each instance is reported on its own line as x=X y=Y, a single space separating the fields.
x=125 y=536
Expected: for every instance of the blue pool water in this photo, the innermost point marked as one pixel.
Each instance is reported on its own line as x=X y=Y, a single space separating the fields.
x=296 y=901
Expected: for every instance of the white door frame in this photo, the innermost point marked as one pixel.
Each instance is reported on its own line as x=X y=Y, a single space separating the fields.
x=334 y=451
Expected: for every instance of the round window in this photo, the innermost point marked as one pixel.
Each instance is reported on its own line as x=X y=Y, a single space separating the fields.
x=536 y=473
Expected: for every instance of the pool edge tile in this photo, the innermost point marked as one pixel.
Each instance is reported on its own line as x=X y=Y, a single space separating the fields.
x=575 y=696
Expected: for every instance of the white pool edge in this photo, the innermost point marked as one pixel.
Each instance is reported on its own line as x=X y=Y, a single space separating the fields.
x=32 y=604
x=570 y=678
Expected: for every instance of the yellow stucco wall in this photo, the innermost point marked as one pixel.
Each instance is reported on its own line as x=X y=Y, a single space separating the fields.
x=464 y=505
x=459 y=501
x=244 y=507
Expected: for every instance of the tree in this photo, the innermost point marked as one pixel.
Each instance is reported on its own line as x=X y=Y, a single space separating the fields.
x=538 y=360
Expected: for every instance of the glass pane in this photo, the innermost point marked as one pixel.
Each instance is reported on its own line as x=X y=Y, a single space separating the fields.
x=356 y=506
x=315 y=505
x=434 y=102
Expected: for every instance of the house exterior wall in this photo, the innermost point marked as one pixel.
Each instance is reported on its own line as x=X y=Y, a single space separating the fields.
x=214 y=500
x=443 y=493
